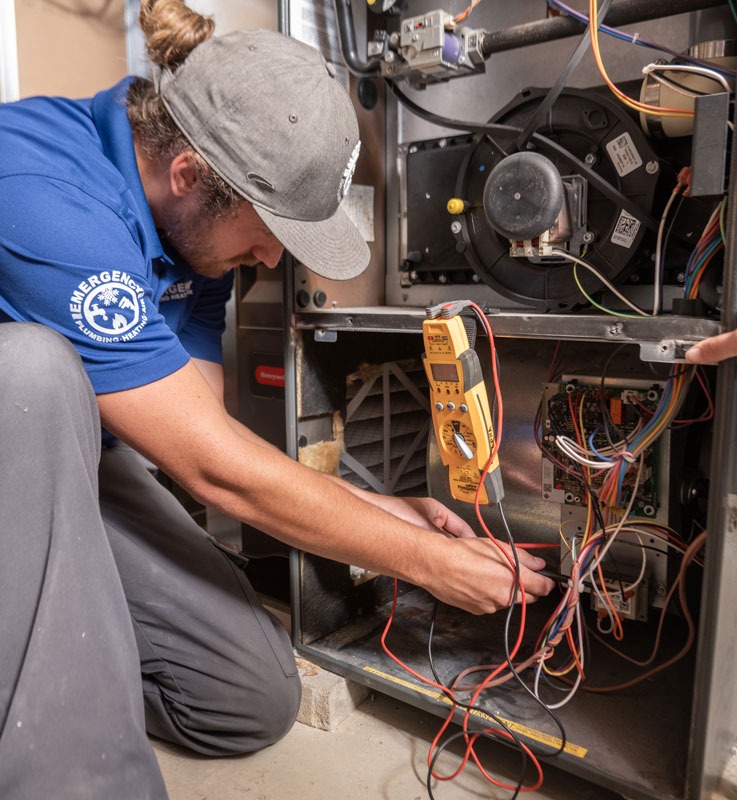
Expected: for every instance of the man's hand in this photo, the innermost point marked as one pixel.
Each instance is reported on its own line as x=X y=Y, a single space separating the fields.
x=478 y=577
x=425 y=512
x=180 y=425
x=714 y=349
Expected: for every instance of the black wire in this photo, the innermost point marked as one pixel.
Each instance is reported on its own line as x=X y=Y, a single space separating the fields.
x=536 y=119
x=450 y=740
x=512 y=668
x=467 y=707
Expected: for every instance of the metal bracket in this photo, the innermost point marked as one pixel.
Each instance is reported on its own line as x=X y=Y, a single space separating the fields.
x=667 y=350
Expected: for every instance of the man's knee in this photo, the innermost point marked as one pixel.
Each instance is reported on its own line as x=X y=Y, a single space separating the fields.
x=257 y=714
x=273 y=716
x=229 y=720
x=47 y=396
x=36 y=357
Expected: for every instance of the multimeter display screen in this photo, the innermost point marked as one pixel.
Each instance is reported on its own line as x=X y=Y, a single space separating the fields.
x=444 y=372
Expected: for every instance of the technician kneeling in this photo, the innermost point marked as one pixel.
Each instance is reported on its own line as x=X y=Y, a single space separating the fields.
x=121 y=220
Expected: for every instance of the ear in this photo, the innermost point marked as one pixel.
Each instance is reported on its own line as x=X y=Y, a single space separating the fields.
x=183 y=175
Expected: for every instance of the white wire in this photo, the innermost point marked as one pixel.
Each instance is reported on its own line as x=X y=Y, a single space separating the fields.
x=638 y=580
x=610 y=286
x=574 y=452
x=586 y=456
x=574 y=688
x=657 y=288
x=610 y=539
x=705 y=71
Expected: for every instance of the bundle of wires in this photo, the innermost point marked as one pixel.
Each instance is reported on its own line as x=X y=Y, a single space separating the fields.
x=607 y=520
x=496 y=674
x=561 y=626
x=710 y=243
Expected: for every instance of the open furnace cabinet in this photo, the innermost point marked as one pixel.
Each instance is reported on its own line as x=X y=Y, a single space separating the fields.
x=575 y=365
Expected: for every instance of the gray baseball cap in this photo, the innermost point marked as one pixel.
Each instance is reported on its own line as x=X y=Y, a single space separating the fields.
x=269 y=116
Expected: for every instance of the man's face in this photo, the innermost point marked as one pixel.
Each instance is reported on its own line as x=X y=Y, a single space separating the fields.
x=213 y=247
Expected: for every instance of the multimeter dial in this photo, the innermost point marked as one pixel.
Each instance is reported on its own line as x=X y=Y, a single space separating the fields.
x=459 y=439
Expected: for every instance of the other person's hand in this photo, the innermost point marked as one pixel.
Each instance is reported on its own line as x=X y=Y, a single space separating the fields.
x=714 y=349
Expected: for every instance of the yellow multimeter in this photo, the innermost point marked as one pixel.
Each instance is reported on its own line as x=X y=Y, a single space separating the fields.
x=460 y=410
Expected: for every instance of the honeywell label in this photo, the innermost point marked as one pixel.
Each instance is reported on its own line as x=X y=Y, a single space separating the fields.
x=625 y=231
x=623 y=154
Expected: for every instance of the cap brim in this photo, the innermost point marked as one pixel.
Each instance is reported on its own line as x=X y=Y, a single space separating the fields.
x=332 y=248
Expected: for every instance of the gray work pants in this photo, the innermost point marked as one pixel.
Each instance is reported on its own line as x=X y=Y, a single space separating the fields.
x=118 y=614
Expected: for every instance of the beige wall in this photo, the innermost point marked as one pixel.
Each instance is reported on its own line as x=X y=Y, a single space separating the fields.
x=69 y=47
x=77 y=47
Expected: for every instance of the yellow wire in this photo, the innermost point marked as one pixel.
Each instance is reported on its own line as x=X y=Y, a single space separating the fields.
x=628 y=101
x=593 y=302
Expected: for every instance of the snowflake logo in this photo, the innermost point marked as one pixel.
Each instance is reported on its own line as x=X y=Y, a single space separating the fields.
x=108 y=296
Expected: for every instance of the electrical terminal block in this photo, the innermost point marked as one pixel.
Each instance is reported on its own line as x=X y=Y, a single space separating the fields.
x=633 y=605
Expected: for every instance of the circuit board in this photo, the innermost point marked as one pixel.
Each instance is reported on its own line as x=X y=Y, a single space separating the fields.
x=598 y=416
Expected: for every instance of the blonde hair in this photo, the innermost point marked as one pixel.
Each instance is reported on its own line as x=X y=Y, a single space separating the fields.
x=172 y=31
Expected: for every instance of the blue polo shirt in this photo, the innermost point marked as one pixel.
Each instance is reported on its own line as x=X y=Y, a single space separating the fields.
x=79 y=251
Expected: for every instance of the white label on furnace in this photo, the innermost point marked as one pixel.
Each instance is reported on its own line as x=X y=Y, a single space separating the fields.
x=625 y=231
x=623 y=154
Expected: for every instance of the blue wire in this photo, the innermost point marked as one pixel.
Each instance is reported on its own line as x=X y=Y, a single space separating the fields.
x=711 y=247
x=594 y=450
x=626 y=37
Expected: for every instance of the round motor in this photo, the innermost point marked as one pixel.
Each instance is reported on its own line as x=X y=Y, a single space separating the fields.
x=523 y=195
x=584 y=185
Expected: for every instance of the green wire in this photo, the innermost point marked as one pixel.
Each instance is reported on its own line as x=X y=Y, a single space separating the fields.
x=734 y=9
x=594 y=303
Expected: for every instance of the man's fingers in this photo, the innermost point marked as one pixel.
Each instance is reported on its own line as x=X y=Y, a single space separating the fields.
x=456 y=525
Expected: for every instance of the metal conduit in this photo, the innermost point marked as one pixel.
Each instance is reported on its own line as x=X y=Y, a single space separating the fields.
x=628 y=12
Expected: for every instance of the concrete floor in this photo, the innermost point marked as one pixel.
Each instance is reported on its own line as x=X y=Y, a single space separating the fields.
x=377 y=752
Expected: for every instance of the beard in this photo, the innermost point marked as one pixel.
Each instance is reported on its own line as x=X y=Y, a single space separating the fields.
x=189 y=232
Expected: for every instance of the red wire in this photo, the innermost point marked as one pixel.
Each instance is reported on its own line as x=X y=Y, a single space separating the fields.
x=472 y=736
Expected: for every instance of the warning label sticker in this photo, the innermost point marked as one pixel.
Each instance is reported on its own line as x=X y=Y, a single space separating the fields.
x=624 y=154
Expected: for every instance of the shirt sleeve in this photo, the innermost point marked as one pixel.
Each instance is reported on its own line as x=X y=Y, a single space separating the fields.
x=201 y=334
x=77 y=260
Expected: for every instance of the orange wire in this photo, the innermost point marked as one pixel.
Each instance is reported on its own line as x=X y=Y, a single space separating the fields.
x=617 y=630
x=628 y=101
x=574 y=653
x=471 y=737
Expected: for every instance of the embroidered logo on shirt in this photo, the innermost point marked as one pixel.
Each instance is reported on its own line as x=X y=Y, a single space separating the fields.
x=177 y=291
x=109 y=307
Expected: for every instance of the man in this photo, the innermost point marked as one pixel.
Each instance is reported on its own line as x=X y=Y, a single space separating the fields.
x=121 y=219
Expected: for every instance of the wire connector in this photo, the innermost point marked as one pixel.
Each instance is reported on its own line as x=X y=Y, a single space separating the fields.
x=447 y=310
